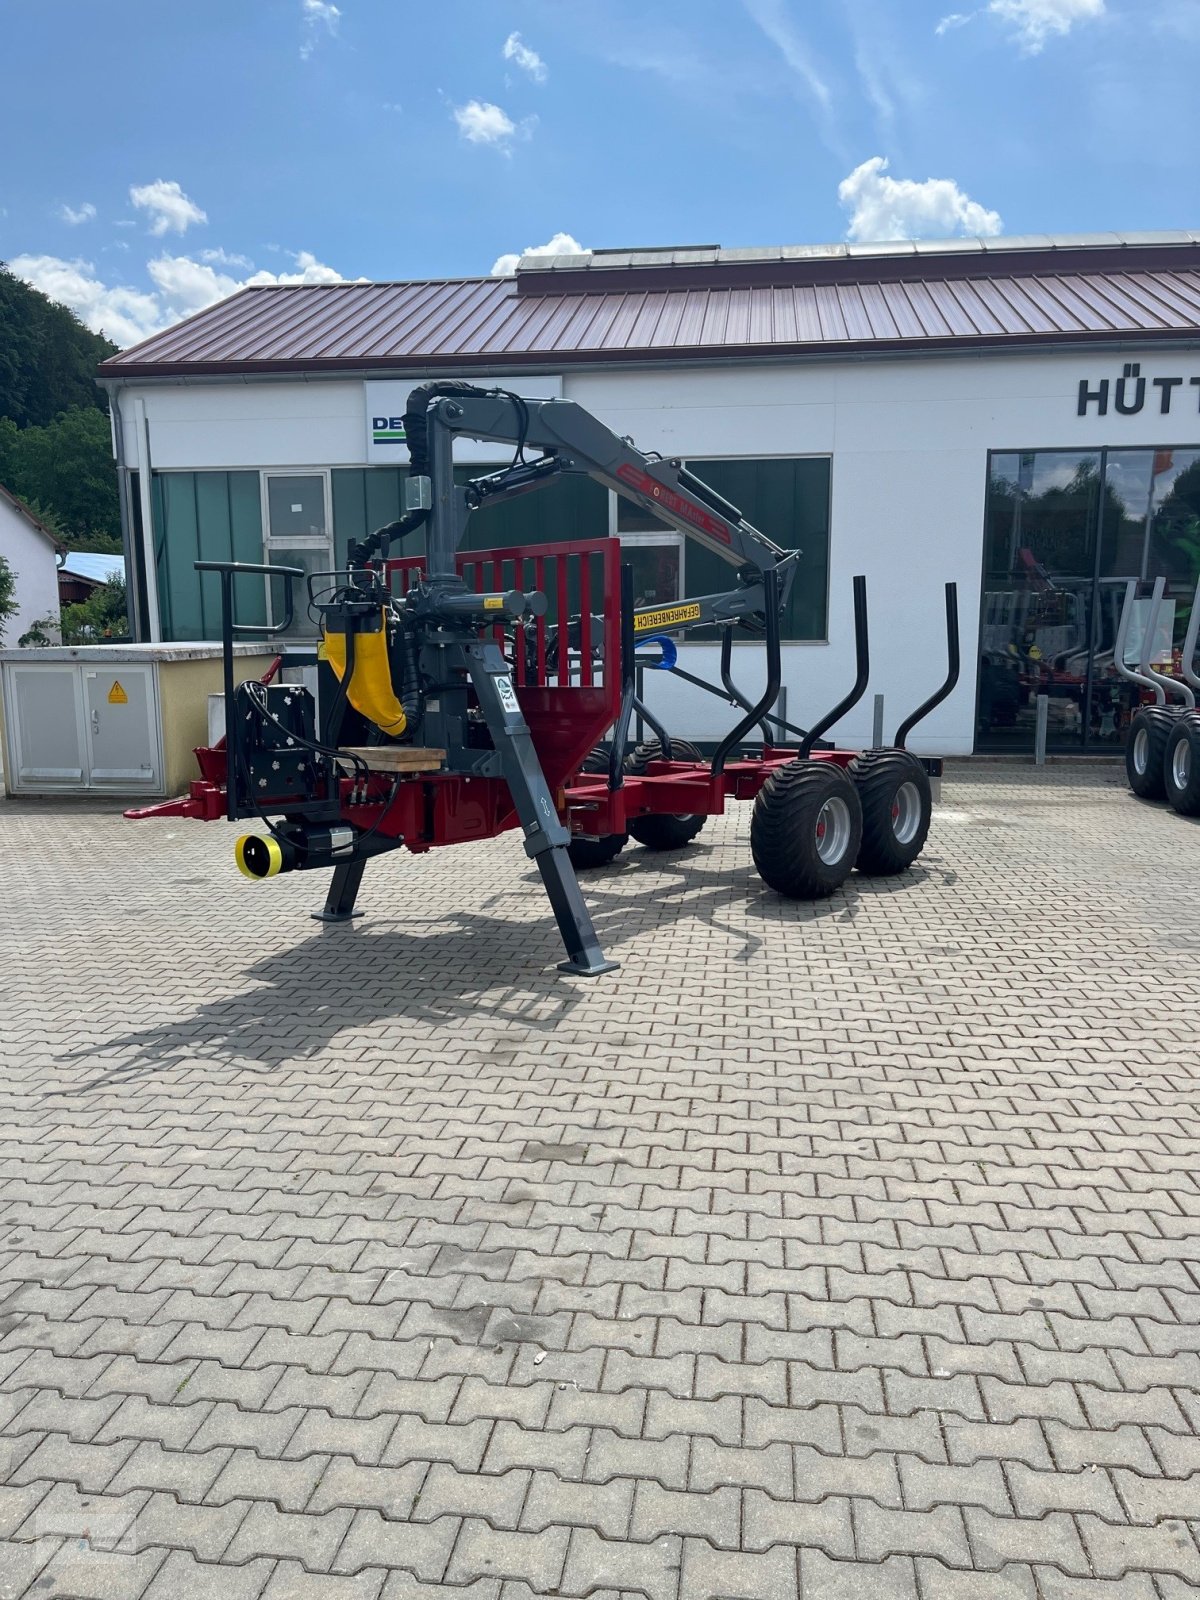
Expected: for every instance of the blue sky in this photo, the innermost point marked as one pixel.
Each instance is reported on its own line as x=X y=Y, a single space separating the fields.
x=160 y=154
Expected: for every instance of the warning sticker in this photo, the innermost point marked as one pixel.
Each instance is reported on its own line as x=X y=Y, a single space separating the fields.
x=493 y=602
x=666 y=617
x=117 y=695
x=508 y=695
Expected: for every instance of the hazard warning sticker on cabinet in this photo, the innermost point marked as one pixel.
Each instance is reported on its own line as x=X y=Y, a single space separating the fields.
x=117 y=695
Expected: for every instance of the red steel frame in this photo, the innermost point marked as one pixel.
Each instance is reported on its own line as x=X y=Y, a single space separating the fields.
x=570 y=702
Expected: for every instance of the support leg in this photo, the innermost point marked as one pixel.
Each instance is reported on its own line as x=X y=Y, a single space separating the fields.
x=546 y=839
x=343 y=891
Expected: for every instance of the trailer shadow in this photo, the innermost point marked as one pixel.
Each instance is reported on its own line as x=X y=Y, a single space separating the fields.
x=481 y=976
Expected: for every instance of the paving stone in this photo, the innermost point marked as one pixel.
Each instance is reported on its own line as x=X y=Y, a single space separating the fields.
x=182 y=1577
x=824 y=1579
x=483 y=1552
x=312 y=1540
x=710 y=1574
x=927 y=1245
x=422 y=1549
x=594 y=1563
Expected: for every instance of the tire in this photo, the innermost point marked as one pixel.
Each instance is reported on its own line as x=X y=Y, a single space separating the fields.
x=1146 y=748
x=664 y=832
x=1181 y=766
x=897 y=803
x=588 y=854
x=806 y=830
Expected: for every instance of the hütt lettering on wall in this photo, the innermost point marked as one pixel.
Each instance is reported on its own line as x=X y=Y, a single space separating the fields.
x=1132 y=393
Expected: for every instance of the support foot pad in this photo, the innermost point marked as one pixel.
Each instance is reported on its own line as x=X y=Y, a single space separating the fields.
x=335 y=916
x=588 y=969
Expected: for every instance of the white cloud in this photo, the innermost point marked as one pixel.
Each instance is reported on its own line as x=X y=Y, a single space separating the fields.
x=182 y=286
x=884 y=208
x=562 y=244
x=528 y=60
x=317 y=15
x=170 y=209
x=774 y=21
x=85 y=213
x=480 y=122
x=125 y=315
x=224 y=258
x=310 y=271
x=1034 y=21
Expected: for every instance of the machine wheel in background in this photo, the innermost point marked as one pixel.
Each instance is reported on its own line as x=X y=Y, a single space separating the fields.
x=1146 y=748
x=1181 y=766
x=806 y=829
x=663 y=832
x=587 y=854
x=897 y=802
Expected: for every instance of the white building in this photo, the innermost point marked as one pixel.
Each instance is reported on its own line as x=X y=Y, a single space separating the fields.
x=31 y=550
x=1018 y=416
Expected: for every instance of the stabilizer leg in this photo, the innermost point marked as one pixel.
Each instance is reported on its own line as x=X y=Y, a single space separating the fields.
x=343 y=891
x=546 y=839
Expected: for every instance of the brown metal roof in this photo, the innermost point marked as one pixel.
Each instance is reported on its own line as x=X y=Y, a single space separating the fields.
x=718 y=309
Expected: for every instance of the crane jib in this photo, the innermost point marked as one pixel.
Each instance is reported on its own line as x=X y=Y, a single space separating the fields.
x=670 y=500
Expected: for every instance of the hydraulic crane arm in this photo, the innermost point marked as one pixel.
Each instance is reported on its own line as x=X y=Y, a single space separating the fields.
x=576 y=441
x=570 y=440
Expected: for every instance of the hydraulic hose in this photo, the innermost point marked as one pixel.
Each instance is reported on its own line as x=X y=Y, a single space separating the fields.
x=416 y=435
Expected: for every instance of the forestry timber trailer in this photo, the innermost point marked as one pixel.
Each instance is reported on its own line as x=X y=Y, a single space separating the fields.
x=467 y=692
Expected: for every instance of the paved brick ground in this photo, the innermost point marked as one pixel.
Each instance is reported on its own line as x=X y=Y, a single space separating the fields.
x=842 y=1251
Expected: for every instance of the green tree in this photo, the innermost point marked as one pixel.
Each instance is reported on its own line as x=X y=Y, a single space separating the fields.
x=8 y=595
x=65 y=468
x=101 y=616
x=48 y=359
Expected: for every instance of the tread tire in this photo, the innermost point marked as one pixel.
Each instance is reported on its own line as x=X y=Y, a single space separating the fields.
x=783 y=829
x=1185 y=795
x=664 y=832
x=589 y=854
x=1146 y=748
x=880 y=776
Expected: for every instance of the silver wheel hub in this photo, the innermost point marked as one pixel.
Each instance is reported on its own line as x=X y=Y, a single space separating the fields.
x=1141 y=751
x=906 y=813
x=833 y=830
x=1181 y=764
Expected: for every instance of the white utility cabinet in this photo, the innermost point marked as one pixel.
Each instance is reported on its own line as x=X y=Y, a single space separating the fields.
x=110 y=719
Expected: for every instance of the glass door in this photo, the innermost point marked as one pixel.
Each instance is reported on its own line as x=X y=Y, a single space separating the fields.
x=1039 y=577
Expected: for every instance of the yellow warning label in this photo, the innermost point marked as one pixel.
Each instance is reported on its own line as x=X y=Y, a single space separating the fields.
x=666 y=617
x=117 y=695
x=493 y=602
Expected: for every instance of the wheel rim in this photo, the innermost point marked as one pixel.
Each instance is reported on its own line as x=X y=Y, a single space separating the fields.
x=1181 y=764
x=906 y=813
x=833 y=830
x=1141 y=751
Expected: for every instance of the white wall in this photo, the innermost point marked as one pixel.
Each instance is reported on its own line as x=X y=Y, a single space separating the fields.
x=31 y=556
x=909 y=441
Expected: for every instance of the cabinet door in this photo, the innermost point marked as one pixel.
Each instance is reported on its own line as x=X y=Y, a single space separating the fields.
x=46 y=740
x=122 y=738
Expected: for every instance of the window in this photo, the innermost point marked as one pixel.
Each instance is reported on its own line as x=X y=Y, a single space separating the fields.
x=297 y=523
x=1065 y=532
x=788 y=499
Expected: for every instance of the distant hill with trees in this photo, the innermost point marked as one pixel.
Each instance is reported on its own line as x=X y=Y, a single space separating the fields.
x=55 y=443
